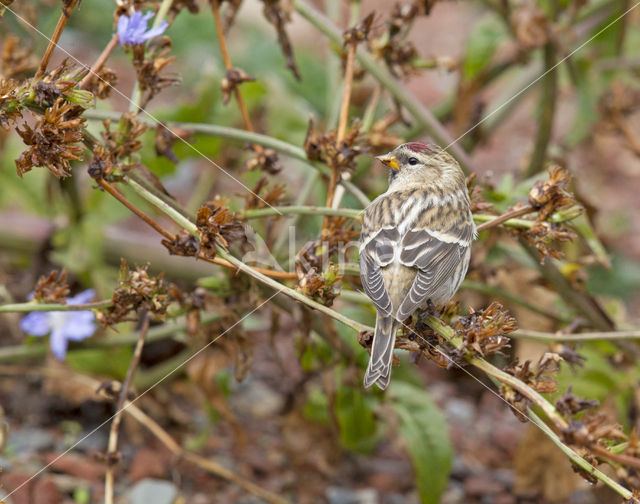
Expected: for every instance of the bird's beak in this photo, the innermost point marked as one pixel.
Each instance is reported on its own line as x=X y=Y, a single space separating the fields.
x=390 y=160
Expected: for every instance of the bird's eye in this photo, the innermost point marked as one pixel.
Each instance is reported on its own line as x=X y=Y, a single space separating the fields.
x=413 y=161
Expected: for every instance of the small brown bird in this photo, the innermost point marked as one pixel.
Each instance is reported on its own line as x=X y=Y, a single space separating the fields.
x=415 y=243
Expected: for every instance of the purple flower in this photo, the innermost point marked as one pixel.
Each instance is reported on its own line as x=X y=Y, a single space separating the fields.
x=64 y=326
x=133 y=29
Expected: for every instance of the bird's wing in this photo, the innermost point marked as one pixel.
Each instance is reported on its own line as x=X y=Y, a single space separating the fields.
x=379 y=240
x=436 y=244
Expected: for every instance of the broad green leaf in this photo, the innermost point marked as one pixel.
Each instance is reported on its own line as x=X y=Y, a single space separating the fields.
x=482 y=44
x=354 y=411
x=424 y=429
x=112 y=362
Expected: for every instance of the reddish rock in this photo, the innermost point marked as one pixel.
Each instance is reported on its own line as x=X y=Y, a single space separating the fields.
x=13 y=480
x=78 y=466
x=45 y=491
x=481 y=485
x=148 y=463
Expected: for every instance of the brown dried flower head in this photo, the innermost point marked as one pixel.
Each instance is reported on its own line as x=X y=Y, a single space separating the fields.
x=217 y=226
x=326 y=148
x=184 y=244
x=150 y=61
x=117 y=146
x=265 y=160
x=137 y=291
x=271 y=196
x=53 y=141
x=102 y=84
x=484 y=332
x=53 y=288
x=323 y=288
x=570 y=405
x=230 y=82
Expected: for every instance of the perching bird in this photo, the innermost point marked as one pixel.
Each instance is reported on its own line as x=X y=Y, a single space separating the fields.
x=415 y=243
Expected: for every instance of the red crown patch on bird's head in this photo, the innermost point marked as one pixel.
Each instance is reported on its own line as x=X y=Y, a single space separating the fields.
x=419 y=147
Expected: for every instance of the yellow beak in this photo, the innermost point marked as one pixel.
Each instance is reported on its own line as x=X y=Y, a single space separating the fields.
x=390 y=160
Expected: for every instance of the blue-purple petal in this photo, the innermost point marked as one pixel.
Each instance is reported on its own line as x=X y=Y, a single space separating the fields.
x=158 y=30
x=58 y=343
x=133 y=29
x=82 y=297
x=36 y=324
x=79 y=325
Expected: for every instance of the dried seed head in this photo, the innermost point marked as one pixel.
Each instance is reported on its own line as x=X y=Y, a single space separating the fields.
x=52 y=141
x=230 y=82
x=52 y=288
x=271 y=196
x=217 y=226
x=137 y=291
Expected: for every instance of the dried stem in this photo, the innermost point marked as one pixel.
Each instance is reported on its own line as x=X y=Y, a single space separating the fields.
x=112 y=446
x=170 y=236
x=421 y=114
x=342 y=124
x=244 y=136
x=121 y=198
x=155 y=429
x=99 y=63
x=215 y=7
x=505 y=217
x=53 y=42
x=588 y=336
x=49 y=307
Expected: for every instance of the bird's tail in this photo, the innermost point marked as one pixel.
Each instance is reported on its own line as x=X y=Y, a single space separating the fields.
x=384 y=339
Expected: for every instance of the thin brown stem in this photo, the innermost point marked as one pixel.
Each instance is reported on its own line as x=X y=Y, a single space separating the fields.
x=53 y=41
x=620 y=458
x=121 y=198
x=342 y=125
x=170 y=236
x=99 y=63
x=215 y=7
x=112 y=447
x=505 y=217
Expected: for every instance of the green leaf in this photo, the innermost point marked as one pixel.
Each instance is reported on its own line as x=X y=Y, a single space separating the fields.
x=354 y=411
x=112 y=362
x=482 y=43
x=424 y=429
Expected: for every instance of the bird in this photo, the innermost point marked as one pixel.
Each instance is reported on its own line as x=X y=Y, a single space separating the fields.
x=415 y=244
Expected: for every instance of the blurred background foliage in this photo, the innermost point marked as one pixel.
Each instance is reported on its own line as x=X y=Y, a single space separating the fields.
x=284 y=386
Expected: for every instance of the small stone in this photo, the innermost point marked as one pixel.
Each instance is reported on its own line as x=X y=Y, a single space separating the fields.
x=481 y=484
x=25 y=442
x=152 y=491
x=339 y=495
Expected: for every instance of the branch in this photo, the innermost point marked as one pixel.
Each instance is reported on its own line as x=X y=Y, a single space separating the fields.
x=53 y=42
x=244 y=136
x=97 y=66
x=588 y=336
x=32 y=306
x=112 y=458
x=420 y=113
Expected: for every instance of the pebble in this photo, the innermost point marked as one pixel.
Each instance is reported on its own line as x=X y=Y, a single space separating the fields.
x=152 y=491
x=340 y=495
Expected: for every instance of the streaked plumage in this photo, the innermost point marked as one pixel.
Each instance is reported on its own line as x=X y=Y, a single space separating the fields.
x=415 y=243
